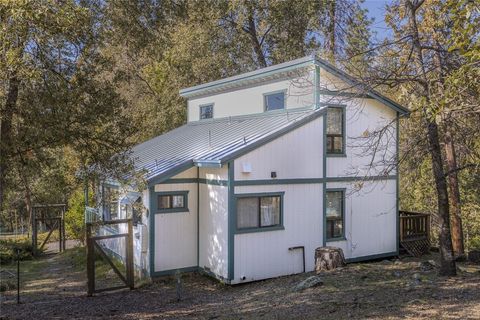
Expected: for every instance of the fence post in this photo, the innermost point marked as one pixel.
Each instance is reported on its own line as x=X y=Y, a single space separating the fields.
x=129 y=245
x=90 y=261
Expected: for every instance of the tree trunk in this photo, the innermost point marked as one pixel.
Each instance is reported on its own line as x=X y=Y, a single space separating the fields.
x=331 y=32
x=252 y=32
x=454 y=196
x=447 y=261
x=6 y=133
x=328 y=258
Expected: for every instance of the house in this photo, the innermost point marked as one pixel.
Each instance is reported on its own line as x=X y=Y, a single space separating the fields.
x=270 y=166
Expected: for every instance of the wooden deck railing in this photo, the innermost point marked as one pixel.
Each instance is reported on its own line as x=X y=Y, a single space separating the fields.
x=414 y=226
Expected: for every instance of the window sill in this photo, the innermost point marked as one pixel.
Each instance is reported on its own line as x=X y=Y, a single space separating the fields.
x=175 y=210
x=264 y=229
x=336 y=155
x=336 y=239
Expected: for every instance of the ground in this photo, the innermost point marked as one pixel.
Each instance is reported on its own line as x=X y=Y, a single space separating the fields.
x=54 y=287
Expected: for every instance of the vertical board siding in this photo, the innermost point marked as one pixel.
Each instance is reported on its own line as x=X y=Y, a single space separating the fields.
x=370 y=218
x=364 y=116
x=262 y=255
x=213 y=223
x=176 y=232
x=297 y=154
x=249 y=100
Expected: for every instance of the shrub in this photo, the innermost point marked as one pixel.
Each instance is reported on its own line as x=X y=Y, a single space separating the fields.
x=75 y=216
x=8 y=250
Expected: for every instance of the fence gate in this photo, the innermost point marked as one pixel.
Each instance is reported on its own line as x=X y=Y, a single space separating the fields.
x=93 y=246
x=52 y=216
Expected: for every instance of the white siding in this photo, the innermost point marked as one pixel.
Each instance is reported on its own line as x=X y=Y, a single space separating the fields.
x=364 y=116
x=176 y=233
x=213 y=222
x=249 y=100
x=262 y=255
x=370 y=219
x=297 y=154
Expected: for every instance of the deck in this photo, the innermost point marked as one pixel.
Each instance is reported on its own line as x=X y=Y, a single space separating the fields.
x=415 y=232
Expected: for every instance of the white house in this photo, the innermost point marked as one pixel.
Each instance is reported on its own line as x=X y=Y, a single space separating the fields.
x=268 y=168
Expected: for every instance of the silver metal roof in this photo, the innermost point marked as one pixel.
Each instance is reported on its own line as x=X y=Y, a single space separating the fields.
x=215 y=141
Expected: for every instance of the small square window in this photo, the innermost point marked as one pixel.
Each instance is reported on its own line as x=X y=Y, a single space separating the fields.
x=274 y=101
x=172 y=202
x=206 y=111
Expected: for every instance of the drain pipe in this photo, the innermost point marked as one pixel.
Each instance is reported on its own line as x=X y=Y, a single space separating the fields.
x=303 y=254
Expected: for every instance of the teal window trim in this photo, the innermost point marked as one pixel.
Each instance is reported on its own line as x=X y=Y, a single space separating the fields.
x=184 y=194
x=204 y=106
x=344 y=125
x=284 y=91
x=343 y=191
x=279 y=226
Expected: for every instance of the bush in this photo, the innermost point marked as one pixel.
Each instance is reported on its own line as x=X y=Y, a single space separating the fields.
x=474 y=243
x=8 y=250
x=75 y=217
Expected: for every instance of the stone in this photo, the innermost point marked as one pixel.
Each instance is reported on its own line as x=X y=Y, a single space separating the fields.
x=310 y=282
x=426 y=266
x=416 y=276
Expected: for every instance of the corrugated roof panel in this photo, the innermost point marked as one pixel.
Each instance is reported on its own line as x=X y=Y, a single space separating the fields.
x=212 y=140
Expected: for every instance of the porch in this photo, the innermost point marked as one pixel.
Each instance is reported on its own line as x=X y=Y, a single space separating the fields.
x=415 y=232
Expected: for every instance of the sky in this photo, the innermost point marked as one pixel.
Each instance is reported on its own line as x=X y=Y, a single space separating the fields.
x=376 y=9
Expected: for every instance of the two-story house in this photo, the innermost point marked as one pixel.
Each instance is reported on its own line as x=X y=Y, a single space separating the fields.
x=268 y=168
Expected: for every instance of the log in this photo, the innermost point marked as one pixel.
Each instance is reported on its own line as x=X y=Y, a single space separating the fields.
x=328 y=258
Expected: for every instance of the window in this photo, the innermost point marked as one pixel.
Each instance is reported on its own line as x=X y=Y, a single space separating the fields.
x=172 y=202
x=274 y=101
x=335 y=213
x=110 y=202
x=335 y=129
x=206 y=111
x=259 y=212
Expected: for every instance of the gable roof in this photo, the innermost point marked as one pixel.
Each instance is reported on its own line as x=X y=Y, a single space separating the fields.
x=278 y=69
x=215 y=142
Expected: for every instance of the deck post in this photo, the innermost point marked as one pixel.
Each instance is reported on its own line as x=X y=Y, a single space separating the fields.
x=129 y=253
x=90 y=261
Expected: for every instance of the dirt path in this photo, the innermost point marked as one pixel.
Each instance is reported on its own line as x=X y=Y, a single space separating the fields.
x=383 y=290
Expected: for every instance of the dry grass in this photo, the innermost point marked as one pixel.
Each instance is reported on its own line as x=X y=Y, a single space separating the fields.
x=380 y=290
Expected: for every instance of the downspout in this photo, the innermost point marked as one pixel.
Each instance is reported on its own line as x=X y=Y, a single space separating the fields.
x=198 y=217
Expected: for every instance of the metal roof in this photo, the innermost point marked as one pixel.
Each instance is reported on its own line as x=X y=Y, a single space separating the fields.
x=213 y=142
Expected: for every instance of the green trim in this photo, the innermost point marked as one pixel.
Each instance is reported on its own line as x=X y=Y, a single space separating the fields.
x=170 y=173
x=284 y=91
x=196 y=180
x=345 y=94
x=198 y=217
x=173 y=271
x=151 y=223
x=372 y=257
x=397 y=122
x=183 y=193
x=278 y=181
x=203 y=106
x=231 y=220
x=324 y=188
x=280 y=226
x=343 y=191
x=310 y=180
x=344 y=126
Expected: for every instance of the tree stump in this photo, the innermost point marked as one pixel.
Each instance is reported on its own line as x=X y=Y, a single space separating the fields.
x=328 y=258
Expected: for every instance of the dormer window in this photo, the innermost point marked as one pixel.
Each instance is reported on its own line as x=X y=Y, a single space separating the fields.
x=206 y=111
x=274 y=100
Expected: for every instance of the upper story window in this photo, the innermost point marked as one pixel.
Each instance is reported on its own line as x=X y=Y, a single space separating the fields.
x=206 y=111
x=110 y=202
x=175 y=201
x=335 y=130
x=274 y=101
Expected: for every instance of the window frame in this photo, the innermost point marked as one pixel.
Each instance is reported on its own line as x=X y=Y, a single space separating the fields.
x=284 y=91
x=279 y=226
x=106 y=211
x=342 y=237
x=203 y=106
x=182 y=193
x=343 y=135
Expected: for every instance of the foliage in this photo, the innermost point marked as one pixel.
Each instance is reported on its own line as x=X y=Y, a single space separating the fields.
x=75 y=216
x=8 y=250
